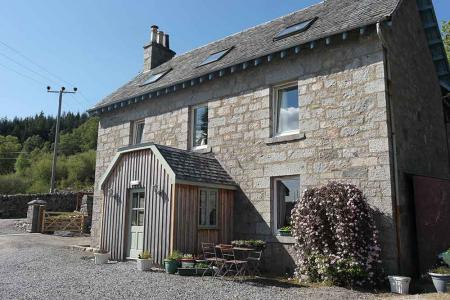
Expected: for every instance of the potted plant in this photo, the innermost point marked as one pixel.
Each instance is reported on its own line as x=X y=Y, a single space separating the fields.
x=101 y=256
x=144 y=261
x=285 y=231
x=187 y=261
x=188 y=271
x=171 y=262
x=257 y=244
x=445 y=256
x=203 y=269
x=440 y=277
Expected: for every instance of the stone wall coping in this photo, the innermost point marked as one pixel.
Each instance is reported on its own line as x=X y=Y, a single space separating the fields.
x=37 y=202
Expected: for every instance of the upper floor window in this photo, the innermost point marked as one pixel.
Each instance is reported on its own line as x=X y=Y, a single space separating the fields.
x=286 y=110
x=208 y=208
x=286 y=193
x=199 y=126
x=137 y=131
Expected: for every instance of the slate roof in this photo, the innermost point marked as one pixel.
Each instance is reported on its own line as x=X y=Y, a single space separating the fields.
x=195 y=167
x=334 y=16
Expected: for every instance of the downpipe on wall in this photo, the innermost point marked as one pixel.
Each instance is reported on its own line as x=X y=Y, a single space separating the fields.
x=392 y=140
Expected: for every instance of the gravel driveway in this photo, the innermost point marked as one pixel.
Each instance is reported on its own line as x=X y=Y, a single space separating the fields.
x=36 y=266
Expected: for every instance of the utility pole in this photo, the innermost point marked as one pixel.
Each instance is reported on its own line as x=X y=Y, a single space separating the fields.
x=55 y=146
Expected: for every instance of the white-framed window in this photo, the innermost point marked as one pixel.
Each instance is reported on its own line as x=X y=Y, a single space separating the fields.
x=199 y=126
x=137 y=131
x=286 y=192
x=285 y=109
x=207 y=208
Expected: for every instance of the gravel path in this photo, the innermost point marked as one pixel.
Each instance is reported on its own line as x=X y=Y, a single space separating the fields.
x=36 y=266
x=8 y=226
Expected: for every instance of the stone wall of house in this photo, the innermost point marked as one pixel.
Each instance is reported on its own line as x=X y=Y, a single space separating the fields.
x=342 y=121
x=417 y=118
x=15 y=206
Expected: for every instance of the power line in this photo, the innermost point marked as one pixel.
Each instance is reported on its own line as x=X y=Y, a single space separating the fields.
x=42 y=68
x=34 y=63
x=27 y=68
x=23 y=75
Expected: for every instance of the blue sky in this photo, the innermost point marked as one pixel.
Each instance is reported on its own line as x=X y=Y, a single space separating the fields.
x=97 y=45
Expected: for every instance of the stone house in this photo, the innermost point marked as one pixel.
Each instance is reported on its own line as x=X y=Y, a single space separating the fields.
x=343 y=90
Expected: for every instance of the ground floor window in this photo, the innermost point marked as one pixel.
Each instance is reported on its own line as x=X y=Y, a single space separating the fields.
x=286 y=193
x=208 y=208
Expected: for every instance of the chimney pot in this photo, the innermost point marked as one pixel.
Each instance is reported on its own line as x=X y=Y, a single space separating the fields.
x=166 y=41
x=153 y=33
x=160 y=38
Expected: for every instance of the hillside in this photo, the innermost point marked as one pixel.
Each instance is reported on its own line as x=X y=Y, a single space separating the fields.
x=26 y=146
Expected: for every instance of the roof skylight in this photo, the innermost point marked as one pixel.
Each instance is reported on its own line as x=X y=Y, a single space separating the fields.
x=215 y=56
x=294 y=29
x=155 y=77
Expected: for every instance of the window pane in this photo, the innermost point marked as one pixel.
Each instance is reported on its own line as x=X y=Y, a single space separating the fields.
x=294 y=29
x=202 y=215
x=134 y=219
x=212 y=208
x=141 y=200
x=134 y=203
x=139 y=131
x=287 y=110
x=200 y=128
x=140 y=217
x=287 y=195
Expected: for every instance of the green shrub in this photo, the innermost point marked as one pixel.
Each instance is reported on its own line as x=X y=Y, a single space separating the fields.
x=13 y=184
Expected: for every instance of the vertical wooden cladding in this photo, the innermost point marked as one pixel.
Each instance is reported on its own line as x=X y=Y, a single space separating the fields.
x=187 y=234
x=144 y=166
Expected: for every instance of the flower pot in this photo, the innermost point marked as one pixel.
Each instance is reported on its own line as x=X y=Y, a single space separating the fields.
x=440 y=281
x=186 y=271
x=170 y=266
x=144 y=264
x=187 y=262
x=204 y=271
x=399 y=284
x=101 y=258
x=284 y=232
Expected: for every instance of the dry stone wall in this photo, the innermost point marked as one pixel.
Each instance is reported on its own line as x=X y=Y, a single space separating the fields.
x=15 y=206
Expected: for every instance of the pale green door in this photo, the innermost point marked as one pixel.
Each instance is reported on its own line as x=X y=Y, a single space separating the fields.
x=136 y=223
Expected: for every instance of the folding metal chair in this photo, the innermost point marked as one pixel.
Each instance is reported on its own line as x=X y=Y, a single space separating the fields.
x=211 y=258
x=253 y=262
x=231 y=264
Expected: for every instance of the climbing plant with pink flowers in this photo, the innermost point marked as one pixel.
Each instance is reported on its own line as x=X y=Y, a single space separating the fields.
x=336 y=239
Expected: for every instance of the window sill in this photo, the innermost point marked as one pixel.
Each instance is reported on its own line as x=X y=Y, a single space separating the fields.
x=200 y=227
x=285 y=138
x=285 y=239
x=202 y=149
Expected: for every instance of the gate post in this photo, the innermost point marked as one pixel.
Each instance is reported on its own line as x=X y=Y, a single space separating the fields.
x=34 y=215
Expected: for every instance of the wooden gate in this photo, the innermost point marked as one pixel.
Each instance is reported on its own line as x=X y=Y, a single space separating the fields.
x=62 y=221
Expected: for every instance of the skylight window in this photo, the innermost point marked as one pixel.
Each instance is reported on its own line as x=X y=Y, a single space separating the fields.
x=294 y=29
x=215 y=57
x=155 y=77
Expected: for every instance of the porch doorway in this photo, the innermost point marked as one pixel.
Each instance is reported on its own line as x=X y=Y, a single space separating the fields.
x=136 y=223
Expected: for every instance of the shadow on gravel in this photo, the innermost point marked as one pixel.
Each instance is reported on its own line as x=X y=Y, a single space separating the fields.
x=273 y=283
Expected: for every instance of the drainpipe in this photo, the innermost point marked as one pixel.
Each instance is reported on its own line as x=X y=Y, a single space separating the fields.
x=392 y=140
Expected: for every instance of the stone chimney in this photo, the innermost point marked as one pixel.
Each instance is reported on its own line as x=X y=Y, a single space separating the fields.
x=157 y=51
